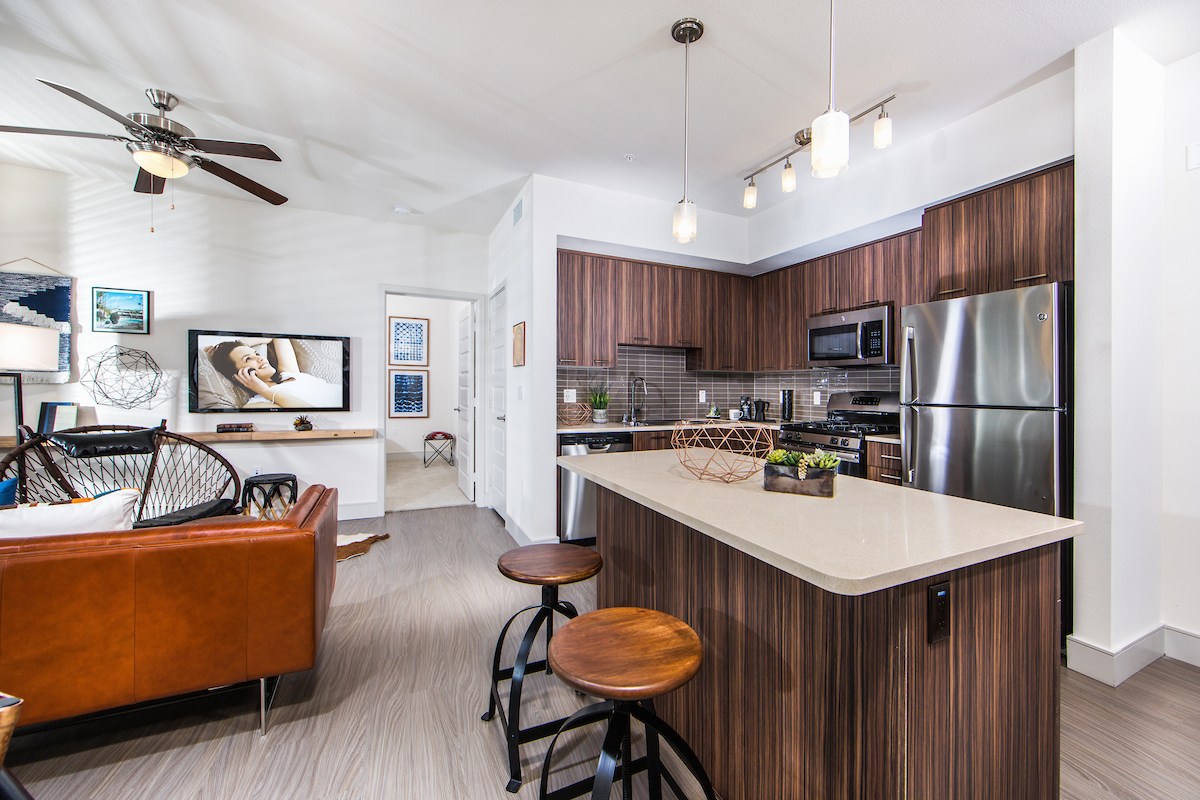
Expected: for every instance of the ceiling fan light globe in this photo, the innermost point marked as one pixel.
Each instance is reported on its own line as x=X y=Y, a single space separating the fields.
x=159 y=160
x=830 y=144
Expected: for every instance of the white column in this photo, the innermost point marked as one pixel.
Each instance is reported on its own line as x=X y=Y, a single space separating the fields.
x=1119 y=363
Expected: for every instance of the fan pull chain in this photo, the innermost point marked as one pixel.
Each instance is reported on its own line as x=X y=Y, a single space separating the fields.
x=172 y=195
x=152 y=213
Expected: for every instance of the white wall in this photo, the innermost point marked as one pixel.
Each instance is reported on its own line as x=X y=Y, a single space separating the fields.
x=1181 y=264
x=232 y=264
x=1119 y=380
x=405 y=437
x=1020 y=133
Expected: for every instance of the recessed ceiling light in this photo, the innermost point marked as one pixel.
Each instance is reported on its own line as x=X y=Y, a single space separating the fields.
x=629 y=156
x=403 y=211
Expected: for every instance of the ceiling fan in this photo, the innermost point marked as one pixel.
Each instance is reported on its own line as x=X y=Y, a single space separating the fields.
x=162 y=148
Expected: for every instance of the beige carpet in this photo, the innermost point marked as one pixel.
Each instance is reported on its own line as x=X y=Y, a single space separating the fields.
x=411 y=486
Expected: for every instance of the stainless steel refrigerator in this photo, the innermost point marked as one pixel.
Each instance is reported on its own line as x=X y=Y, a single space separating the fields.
x=985 y=387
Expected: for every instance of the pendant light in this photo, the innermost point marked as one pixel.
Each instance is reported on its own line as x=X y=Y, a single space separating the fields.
x=831 y=130
x=683 y=227
x=883 y=129
x=789 y=177
x=750 y=198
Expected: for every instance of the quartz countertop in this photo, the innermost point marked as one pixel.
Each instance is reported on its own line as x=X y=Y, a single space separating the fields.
x=617 y=427
x=893 y=438
x=871 y=536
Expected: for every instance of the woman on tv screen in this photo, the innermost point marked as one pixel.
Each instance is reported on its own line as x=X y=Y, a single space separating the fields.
x=274 y=380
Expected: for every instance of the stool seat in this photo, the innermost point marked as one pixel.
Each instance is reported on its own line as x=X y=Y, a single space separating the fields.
x=550 y=564
x=625 y=653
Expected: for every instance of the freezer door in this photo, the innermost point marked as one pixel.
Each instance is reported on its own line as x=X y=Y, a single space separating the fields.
x=997 y=349
x=996 y=455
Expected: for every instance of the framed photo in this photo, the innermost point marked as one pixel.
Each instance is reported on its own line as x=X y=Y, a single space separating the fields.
x=120 y=310
x=519 y=344
x=408 y=393
x=408 y=342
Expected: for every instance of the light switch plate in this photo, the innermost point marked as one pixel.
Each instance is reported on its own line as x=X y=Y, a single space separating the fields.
x=520 y=392
x=817 y=398
x=703 y=396
x=1193 y=156
x=569 y=396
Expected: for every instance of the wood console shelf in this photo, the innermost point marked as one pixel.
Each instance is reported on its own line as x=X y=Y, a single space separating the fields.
x=279 y=436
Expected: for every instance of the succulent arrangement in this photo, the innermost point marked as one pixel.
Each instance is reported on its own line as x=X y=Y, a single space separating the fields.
x=803 y=461
x=302 y=423
x=598 y=395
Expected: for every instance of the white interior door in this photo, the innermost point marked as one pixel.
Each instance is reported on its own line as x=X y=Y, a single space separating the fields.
x=464 y=451
x=497 y=364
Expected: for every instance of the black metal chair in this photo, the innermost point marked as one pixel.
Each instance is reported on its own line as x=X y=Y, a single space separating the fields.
x=180 y=479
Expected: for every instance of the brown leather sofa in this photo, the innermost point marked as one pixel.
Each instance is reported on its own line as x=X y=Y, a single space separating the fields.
x=101 y=620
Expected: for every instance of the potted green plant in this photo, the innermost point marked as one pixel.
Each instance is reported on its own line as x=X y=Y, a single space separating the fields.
x=598 y=399
x=810 y=474
x=302 y=423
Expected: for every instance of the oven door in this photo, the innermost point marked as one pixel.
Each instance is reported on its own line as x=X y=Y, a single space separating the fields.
x=852 y=338
x=851 y=459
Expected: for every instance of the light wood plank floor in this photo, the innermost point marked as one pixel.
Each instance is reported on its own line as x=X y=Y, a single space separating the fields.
x=392 y=709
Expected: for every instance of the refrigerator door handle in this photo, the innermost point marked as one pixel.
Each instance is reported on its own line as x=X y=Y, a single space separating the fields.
x=908 y=433
x=908 y=366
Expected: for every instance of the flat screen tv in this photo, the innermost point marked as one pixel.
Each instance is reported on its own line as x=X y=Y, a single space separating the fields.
x=237 y=371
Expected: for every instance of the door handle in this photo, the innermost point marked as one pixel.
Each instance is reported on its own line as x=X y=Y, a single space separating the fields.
x=500 y=419
x=456 y=408
x=861 y=332
x=908 y=432
x=908 y=366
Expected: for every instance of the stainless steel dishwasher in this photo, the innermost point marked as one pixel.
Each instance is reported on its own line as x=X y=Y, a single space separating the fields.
x=577 y=498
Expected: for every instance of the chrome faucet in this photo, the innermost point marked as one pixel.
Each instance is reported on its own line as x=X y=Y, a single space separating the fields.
x=631 y=414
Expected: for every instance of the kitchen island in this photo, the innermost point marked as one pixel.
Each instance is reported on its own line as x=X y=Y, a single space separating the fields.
x=820 y=677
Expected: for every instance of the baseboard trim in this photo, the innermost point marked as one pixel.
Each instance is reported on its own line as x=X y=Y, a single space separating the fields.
x=1114 y=668
x=1182 y=645
x=360 y=510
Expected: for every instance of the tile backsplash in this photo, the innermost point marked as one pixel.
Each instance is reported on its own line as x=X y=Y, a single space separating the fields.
x=674 y=392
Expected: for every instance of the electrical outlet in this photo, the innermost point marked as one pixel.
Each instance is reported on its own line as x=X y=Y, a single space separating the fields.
x=393 y=429
x=1193 y=156
x=817 y=398
x=569 y=395
x=703 y=396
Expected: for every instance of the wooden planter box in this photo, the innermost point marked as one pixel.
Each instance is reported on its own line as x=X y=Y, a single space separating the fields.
x=818 y=483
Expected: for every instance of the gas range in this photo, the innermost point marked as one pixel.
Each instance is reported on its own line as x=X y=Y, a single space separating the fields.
x=852 y=417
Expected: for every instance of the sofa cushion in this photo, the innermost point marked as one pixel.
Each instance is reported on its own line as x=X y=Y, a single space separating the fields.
x=112 y=512
x=8 y=492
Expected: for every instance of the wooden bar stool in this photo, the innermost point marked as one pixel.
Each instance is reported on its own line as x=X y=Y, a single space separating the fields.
x=548 y=566
x=628 y=656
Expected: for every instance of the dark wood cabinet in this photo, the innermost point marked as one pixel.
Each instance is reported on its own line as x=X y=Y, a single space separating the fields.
x=574 y=310
x=954 y=250
x=652 y=440
x=823 y=282
x=1031 y=230
x=689 y=318
x=780 y=320
x=646 y=305
x=604 y=301
x=727 y=338
x=883 y=462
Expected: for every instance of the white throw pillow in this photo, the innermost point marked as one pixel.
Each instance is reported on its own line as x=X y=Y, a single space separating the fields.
x=112 y=512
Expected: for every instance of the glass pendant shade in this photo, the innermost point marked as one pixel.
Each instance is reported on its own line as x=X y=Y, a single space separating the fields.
x=883 y=131
x=830 y=144
x=789 y=178
x=683 y=227
x=750 y=198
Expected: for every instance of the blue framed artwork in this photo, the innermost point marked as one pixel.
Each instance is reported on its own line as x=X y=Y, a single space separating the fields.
x=408 y=342
x=408 y=393
x=120 y=310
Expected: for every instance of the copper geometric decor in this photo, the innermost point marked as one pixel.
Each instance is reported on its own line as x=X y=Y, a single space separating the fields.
x=721 y=451
x=574 y=413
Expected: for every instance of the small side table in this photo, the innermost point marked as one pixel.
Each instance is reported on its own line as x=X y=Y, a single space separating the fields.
x=439 y=444
x=269 y=496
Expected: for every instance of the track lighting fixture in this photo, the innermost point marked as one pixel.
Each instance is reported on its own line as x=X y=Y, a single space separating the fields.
x=831 y=130
x=789 y=177
x=750 y=198
x=883 y=129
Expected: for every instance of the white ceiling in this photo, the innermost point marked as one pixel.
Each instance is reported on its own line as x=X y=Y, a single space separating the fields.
x=446 y=107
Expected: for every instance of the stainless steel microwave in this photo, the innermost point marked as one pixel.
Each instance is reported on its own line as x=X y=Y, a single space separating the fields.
x=851 y=338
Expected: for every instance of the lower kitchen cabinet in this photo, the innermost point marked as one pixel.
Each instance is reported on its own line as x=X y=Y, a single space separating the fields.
x=883 y=462
x=652 y=440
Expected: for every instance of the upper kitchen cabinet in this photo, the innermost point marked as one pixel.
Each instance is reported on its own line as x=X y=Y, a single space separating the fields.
x=727 y=338
x=645 y=304
x=688 y=316
x=826 y=284
x=779 y=320
x=876 y=273
x=955 y=254
x=587 y=311
x=1031 y=230
x=604 y=304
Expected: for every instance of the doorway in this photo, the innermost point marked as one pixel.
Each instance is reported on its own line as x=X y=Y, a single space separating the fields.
x=430 y=381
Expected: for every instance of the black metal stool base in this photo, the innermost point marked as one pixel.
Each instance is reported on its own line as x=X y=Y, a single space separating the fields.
x=511 y=720
x=616 y=753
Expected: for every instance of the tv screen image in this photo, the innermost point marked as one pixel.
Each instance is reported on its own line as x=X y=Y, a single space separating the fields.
x=237 y=371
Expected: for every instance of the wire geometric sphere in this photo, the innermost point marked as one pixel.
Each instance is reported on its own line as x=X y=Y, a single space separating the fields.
x=716 y=451
x=122 y=377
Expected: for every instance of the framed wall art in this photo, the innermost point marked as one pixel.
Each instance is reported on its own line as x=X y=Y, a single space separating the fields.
x=408 y=342
x=120 y=310
x=408 y=393
x=519 y=344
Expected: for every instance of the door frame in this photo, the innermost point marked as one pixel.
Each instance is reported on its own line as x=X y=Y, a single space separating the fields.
x=478 y=301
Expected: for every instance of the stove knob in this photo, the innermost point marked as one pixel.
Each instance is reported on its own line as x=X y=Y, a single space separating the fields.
x=845 y=442
x=833 y=440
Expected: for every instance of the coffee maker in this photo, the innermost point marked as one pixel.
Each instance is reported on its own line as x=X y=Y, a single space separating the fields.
x=760 y=410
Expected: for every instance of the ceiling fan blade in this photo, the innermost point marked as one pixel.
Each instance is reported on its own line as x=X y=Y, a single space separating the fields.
x=241 y=181
x=53 y=132
x=148 y=184
x=105 y=110
x=218 y=147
